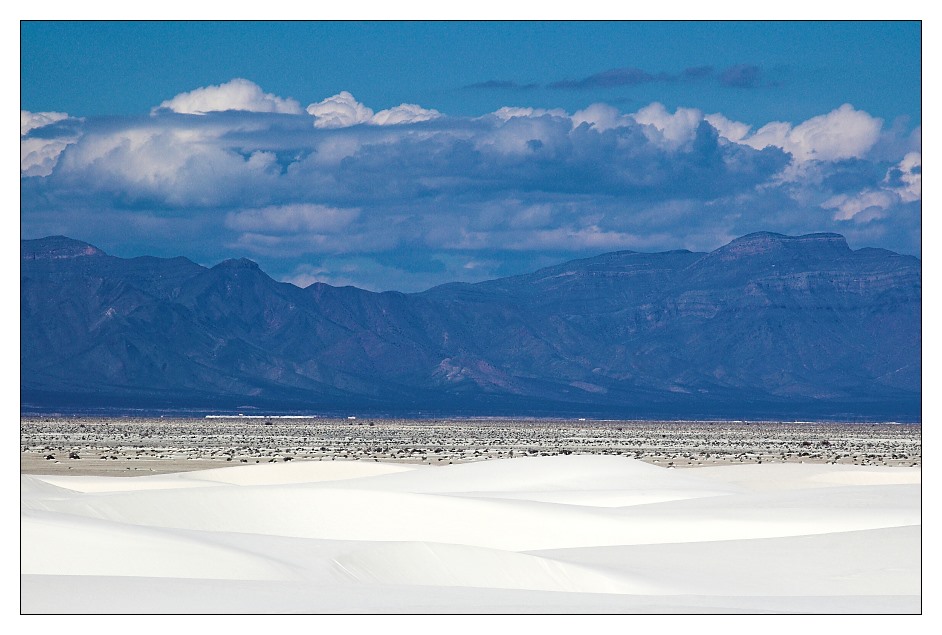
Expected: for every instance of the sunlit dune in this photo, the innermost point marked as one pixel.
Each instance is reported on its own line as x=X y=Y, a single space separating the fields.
x=542 y=534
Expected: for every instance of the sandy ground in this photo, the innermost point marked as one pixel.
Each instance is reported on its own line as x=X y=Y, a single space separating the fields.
x=538 y=534
x=139 y=447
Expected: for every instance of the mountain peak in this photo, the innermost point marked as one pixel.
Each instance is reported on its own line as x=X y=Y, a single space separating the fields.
x=237 y=263
x=57 y=247
x=767 y=242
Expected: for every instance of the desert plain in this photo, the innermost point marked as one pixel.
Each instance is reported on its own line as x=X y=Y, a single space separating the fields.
x=355 y=515
x=131 y=446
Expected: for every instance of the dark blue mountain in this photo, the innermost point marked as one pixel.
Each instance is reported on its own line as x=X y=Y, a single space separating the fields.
x=768 y=326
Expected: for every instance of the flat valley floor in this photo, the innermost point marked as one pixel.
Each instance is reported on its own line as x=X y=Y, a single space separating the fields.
x=142 y=446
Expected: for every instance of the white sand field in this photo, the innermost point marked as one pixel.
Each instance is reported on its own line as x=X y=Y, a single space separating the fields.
x=570 y=534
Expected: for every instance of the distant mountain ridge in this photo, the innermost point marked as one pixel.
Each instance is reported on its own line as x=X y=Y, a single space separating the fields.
x=768 y=326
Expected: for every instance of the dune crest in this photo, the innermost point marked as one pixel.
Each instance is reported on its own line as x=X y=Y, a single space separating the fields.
x=572 y=533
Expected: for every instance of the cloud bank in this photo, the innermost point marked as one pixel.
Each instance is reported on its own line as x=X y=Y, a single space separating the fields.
x=337 y=191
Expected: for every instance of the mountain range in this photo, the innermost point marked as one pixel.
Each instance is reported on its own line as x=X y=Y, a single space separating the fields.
x=766 y=327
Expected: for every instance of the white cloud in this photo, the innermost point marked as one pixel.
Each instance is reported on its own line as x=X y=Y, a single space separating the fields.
x=332 y=150
x=404 y=113
x=343 y=110
x=180 y=166
x=30 y=120
x=775 y=134
x=519 y=179
x=237 y=94
x=840 y=134
x=675 y=129
x=509 y=112
x=521 y=136
x=599 y=116
x=902 y=184
x=38 y=156
x=339 y=111
x=910 y=169
x=733 y=130
x=852 y=206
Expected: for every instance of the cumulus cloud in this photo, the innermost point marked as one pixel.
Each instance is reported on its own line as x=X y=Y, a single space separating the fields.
x=840 y=134
x=520 y=137
x=339 y=111
x=343 y=110
x=599 y=116
x=674 y=129
x=30 y=120
x=734 y=131
x=905 y=178
x=509 y=112
x=873 y=202
x=404 y=113
x=153 y=161
x=38 y=157
x=237 y=94
x=902 y=184
x=513 y=185
x=39 y=153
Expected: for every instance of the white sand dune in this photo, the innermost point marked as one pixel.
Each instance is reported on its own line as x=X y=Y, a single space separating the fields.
x=55 y=544
x=550 y=534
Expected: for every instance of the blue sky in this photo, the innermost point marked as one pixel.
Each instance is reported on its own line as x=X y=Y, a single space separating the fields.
x=401 y=155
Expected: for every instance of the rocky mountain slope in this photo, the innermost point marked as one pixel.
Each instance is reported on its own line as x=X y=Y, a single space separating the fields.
x=768 y=326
